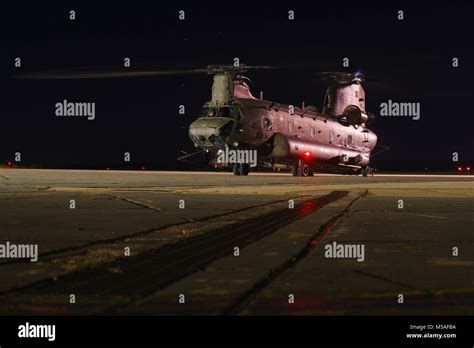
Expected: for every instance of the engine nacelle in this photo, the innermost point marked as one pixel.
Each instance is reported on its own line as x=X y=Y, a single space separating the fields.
x=356 y=116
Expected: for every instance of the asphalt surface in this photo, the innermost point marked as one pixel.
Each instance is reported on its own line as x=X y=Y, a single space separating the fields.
x=211 y=243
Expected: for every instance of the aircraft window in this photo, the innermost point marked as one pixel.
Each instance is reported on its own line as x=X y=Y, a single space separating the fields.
x=291 y=127
x=208 y=112
x=331 y=136
x=227 y=129
x=224 y=112
x=267 y=123
x=204 y=112
x=312 y=132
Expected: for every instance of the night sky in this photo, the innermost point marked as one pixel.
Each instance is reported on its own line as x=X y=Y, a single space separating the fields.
x=409 y=60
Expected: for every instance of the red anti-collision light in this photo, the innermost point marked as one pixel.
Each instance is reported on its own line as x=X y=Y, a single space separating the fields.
x=307 y=154
x=459 y=168
x=468 y=169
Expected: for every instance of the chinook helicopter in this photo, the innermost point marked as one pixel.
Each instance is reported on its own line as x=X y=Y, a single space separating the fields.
x=300 y=139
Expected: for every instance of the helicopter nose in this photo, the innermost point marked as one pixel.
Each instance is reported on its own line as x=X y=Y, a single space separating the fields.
x=207 y=132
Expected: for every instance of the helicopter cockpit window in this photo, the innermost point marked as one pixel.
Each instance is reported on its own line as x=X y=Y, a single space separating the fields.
x=207 y=112
x=204 y=112
x=224 y=112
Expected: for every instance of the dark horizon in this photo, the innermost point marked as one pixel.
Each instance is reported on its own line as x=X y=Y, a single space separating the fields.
x=410 y=59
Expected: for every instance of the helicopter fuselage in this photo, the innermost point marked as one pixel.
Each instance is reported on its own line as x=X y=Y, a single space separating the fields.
x=281 y=136
x=284 y=136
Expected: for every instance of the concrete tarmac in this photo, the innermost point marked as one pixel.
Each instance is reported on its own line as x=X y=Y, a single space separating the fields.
x=147 y=242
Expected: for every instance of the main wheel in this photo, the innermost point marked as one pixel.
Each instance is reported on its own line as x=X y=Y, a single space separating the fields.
x=303 y=170
x=294 y=170
x=235 y=169
x=306 y=170
x=244 y=169
x=364 y=171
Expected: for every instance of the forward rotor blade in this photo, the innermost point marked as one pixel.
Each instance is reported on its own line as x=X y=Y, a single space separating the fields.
x=108 y=74
x=83 y=74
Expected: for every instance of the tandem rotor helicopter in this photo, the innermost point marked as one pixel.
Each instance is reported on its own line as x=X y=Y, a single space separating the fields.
x=300 y=139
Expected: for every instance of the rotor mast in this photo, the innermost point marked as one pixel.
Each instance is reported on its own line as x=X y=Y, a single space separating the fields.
x=223 y=84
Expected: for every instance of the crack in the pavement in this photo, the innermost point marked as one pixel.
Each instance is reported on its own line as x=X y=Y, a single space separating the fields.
x=247 y=296
x=402 y=211
x=143 y=205
x=42 y=188
x=379 y=277
x=440 y=217
x=451 y=193
x=417 y=213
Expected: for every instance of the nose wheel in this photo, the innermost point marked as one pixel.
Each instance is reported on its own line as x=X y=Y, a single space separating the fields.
x=366 y=171
x=241 y=169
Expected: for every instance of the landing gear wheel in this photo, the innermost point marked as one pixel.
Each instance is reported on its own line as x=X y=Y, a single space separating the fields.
x=235 y=169
x=303 y=170
x=306 y=170
x=294 y=170
x=244 y=169
x=364 y=171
